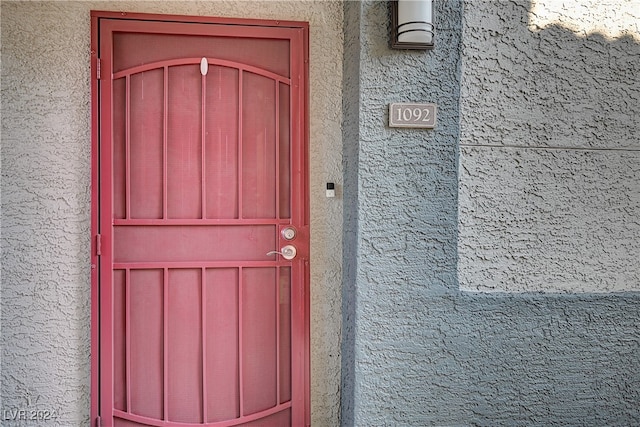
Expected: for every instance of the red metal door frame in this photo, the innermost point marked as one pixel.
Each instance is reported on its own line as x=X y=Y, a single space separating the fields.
x=101 y=225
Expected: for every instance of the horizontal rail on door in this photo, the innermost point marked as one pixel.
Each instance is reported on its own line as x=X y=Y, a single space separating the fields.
x=196 y=221
x=158 y=265
x=229 y=423
x=196 y=61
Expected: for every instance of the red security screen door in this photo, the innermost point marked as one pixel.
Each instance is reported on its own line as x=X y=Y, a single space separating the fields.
x=200 y=212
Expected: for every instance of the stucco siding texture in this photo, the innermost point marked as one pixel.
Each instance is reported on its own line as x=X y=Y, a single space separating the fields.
x=46 y=199
x=351 y=148
x=510 y=361
x=418 y=350
x=549 y=220
x=45 y=217
x=549 y=176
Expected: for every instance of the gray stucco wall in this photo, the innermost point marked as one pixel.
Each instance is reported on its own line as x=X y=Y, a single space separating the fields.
x=417 y=350
x=550 y=147
x=46 y=170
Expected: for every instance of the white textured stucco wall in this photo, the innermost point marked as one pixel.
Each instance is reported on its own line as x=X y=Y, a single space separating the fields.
x=46 y=197
x=549 y=167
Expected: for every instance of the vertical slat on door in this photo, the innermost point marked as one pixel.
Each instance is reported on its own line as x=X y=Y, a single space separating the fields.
x=240 y=335
x=276 y=304
x=165 y=344
x=203 y=138
x=277 y=148
x=165 y=124
x=203 y=327
x=127 y=329
x=127 y=150
x=240 y=144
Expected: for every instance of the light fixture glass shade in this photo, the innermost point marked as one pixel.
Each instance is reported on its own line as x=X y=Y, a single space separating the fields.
x=412 y=24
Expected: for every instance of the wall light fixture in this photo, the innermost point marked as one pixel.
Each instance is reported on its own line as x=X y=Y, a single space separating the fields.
x=412 y=24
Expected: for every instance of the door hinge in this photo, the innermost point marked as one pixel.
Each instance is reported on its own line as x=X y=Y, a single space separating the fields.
x=98 y=68
x=98 y=421
x=98 y=244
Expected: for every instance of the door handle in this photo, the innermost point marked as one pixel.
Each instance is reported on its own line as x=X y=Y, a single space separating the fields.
x=288 y=252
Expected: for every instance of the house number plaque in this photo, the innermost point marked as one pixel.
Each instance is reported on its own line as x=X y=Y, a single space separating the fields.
x=405 y=115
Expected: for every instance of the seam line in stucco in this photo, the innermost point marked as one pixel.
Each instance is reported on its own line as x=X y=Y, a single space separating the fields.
x=540 y=147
